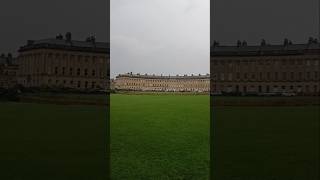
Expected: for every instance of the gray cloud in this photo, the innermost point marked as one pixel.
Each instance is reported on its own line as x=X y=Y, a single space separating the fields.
x=37 y=19
x=160 y=36
x=273 y=20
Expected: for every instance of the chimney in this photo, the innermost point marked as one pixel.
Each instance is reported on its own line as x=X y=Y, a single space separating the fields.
x=216 y=43
x=238 y=43
x=59 y=36
x=244 y=43
x=285 y=42
x=68 y=36
x=263 y=42
x=310 y=41
x=9 y=56
x=315 y=41
x=91 y=38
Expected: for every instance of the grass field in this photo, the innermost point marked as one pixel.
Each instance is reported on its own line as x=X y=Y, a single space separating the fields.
x=52 y=142
x=272 y=143
x=158 y=137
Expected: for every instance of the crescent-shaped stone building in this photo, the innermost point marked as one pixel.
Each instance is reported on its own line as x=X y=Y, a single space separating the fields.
x=266 y=69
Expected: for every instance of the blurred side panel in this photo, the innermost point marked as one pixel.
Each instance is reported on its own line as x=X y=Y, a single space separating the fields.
x=265 y=90
x=54 y=89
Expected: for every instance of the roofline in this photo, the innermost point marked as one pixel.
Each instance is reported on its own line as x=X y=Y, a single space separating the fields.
x=279 y=50
x=164 y=77
x=45 y=45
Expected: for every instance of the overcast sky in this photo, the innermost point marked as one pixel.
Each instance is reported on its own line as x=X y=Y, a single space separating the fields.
x=23 y=20
x=160 y=36
x=274 y=20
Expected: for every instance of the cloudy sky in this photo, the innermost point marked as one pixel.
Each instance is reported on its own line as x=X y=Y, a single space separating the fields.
x=38 y=19
x=274 y=20
x=160 y=36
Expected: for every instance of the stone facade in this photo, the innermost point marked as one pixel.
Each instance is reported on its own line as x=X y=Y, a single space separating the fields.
x=8 y=72
x=64 y=63
x=288 y=68
x=137 y=82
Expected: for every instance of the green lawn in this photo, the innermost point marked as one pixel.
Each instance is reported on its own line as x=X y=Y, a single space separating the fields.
x=52 y=142
x=267 y=143
x=158 y=137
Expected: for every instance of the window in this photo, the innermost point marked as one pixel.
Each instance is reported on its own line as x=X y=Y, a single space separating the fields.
x=71 y=71
x=79 y=58
x=86 y=84
x=85 y=72
x=244 y=88
x=56 y=70
x=253 y=76
x=284 y=62
x=79 y=84
x=222 y=77
x=307 y=88
x=276 y=75
x=230 y=77
x=63 y=70
x=300 y=75
x=308 y=63
x=260 y=76
x=284 y=75
x=93 y=72
x=78 y=71
x=308 y=75
x=268 y=88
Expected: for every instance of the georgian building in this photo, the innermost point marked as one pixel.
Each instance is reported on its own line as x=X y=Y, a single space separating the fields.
x=8 y=72
x=185 y=83
x=64 y=63
x=287 y=68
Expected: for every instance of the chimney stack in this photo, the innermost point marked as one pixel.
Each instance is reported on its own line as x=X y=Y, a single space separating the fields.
x=68 y=36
